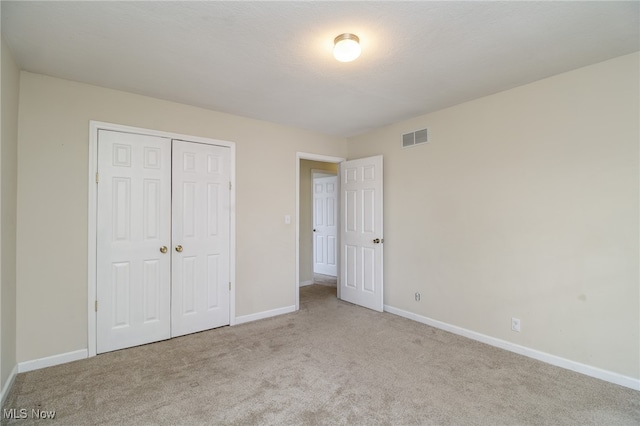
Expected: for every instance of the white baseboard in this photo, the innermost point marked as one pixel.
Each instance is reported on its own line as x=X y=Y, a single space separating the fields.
x=304 y=283
x=50 y=361
x=588 y=370
x=8 y=384
x=266 y=314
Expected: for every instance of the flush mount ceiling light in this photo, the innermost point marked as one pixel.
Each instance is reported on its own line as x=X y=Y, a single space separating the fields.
x=346 y=47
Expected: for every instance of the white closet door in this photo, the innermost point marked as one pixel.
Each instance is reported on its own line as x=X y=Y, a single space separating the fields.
x=134 y=223
x=200 y=269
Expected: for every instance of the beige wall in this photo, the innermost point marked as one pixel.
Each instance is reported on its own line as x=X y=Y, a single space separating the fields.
x=8 y=149
x=52 y=202
x=306 y=214
x=524 y=204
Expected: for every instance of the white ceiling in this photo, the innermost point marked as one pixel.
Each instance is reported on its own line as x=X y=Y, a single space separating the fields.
x=272 y=60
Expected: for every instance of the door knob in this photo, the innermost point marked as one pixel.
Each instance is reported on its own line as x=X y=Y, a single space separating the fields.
x=179 y=248
x=163 y=249
x=376 y=241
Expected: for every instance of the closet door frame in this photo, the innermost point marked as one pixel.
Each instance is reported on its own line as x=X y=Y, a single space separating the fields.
x=94 y=127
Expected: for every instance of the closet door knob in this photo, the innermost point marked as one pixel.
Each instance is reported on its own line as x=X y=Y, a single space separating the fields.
x=179 y=249
x=163 y=249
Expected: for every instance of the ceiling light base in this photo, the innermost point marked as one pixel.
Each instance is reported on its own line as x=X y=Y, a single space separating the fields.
x=346 y=47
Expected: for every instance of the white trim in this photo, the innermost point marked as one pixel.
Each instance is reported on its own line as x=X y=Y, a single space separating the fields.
x=315 y=172
x=265 y=314
x=93 y=242
x=312 y=157
x=8 y=385
x=50 y=361
x=305 y=283
x=232 y=235
x=588 y=370
x=94 y=126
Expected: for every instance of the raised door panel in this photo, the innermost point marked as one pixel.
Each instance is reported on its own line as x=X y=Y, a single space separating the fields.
x=152 y=283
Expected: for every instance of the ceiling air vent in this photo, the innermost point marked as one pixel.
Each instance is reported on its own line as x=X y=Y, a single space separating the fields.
x=414 y=138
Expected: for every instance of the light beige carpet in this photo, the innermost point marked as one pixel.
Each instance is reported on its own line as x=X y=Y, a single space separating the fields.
x=325 y=280
x=330 y=363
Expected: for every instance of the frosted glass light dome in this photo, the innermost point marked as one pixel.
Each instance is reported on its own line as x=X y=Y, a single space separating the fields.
x=346 y=47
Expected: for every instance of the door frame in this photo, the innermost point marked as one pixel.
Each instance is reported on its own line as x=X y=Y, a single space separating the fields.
x=313 y=157
x=94 y=126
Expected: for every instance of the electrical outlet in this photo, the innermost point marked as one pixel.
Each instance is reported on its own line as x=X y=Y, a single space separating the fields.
x=417 y=296
x=515 y=324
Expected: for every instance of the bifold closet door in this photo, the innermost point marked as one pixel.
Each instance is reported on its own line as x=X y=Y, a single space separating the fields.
x=201 y=209
x=133 y=226
x=163 y=235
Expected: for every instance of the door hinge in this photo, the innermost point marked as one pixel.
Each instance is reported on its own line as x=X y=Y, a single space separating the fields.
x=96 y=306
x=229 y=285
x=229 y=186
x=97 y=177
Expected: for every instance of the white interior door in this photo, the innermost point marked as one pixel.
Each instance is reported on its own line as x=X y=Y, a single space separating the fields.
x=325 y=229
x=133 y=224
x=201 y=209
x=361 y=238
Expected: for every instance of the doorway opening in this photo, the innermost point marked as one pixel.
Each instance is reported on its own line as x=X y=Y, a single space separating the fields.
x=326 y=246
